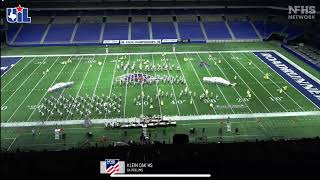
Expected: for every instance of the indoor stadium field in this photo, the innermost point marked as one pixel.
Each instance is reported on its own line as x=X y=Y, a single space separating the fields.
x=135 y=81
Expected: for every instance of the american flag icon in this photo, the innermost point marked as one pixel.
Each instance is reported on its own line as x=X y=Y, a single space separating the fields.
x=112 y=166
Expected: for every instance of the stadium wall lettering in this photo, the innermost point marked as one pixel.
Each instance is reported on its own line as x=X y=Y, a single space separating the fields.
x=306 y=85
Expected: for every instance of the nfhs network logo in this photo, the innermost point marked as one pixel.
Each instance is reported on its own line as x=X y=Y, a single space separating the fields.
x=302 y=12
x=18 y=15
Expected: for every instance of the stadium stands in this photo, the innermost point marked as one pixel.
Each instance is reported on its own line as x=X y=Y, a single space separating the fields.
x=267 y=28
x=196 y=25
x=12 y=30
x=59 y=33
x=88 y=32
x=116 y=31
x=216 y=30
x=140 y=30
x=163 y=30
x=190 y=30
x=242 y=30
x=31 y=33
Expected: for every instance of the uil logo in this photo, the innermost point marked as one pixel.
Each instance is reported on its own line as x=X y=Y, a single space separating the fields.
x=18 y=15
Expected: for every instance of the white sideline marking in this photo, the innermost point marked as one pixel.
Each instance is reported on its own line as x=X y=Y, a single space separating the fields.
x=172 y=118
x=139 y=53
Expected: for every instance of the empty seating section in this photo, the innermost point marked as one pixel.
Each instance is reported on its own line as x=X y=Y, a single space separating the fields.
x=88 y=33
x=242 y=30
x=190 y=30
x=12 y=30
x=63 y=23
x=116 y=31
x=267 y=28
x=59 y=33
x=31 y=33
x=163 y=30
x=216 y=30
x=140 y=30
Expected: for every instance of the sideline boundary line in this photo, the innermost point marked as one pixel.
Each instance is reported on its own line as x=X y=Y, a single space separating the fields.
x=171 y=118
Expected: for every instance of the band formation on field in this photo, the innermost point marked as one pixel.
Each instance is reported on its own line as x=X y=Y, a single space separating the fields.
x=122 y=87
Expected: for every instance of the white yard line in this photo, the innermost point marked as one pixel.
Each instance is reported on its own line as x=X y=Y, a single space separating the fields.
x=95 y=88
x=31 y=91
x=46 y=91
x=218 y=86
x=158 y=89
x=114 y=72
x=199 y=79
x=173 y=118
x=246 y=84
x=141 y=99
x=125 y=94
x=174 y=93
x=194 y=102
x=23 y=83
x=139 y=53
x=14 y=140
x=68 y=80
x=248 y=107
x=273 y=81
x=260 y=84
x=85 y=76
